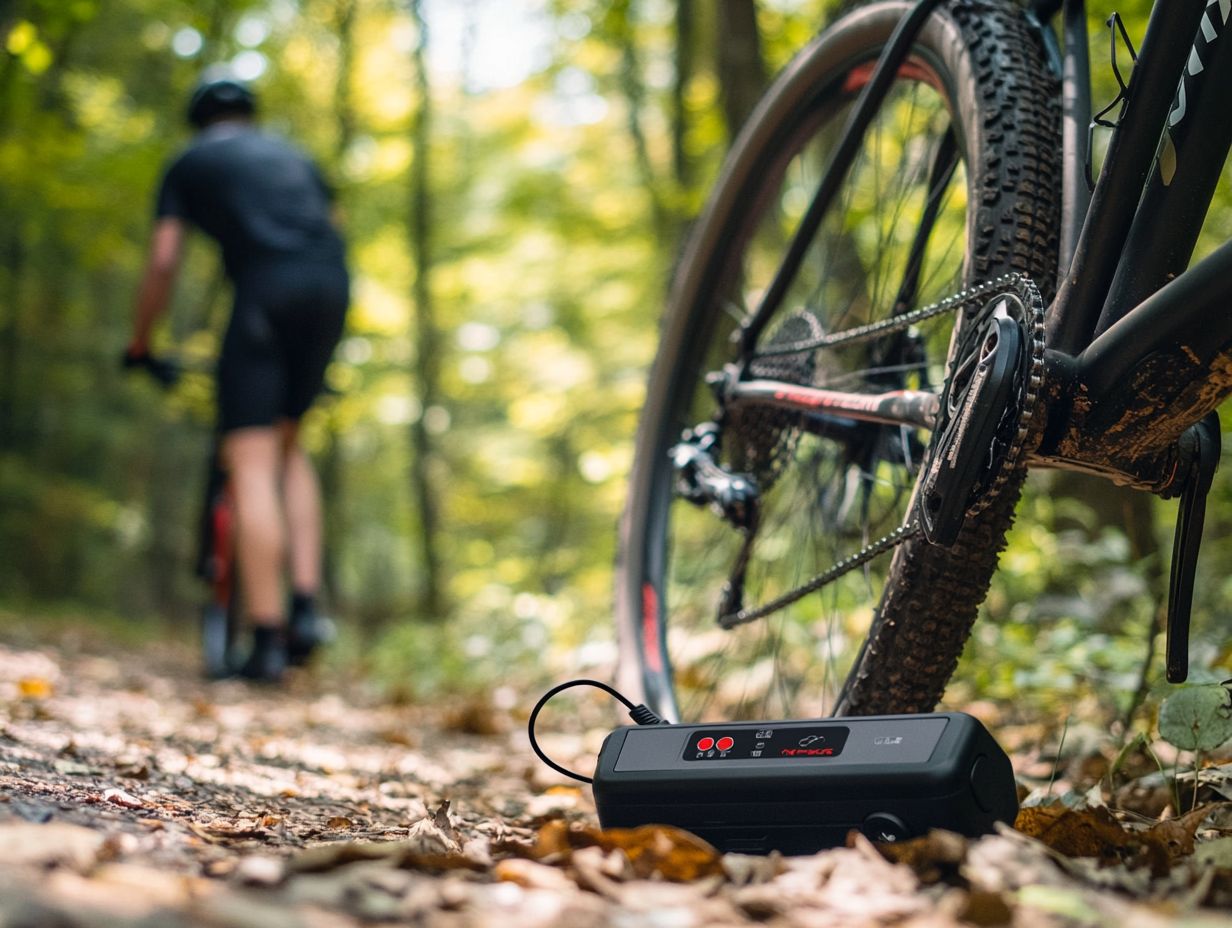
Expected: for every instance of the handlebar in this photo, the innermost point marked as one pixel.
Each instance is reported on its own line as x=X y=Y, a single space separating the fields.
x=165 y=371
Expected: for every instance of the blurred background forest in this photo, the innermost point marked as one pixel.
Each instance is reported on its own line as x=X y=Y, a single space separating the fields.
x=516 y=177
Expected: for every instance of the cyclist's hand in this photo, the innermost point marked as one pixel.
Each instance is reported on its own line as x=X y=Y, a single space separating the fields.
x=164 y=370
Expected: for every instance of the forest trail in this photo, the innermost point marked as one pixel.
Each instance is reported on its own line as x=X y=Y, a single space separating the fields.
x=133 y=794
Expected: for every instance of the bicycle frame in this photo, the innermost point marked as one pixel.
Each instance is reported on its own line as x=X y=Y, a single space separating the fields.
x=1139 y=347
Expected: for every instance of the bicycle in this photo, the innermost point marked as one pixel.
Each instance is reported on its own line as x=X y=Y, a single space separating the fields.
x=216 y=562
x=901 y=294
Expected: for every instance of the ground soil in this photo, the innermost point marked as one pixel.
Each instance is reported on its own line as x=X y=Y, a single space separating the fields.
x=134 y=794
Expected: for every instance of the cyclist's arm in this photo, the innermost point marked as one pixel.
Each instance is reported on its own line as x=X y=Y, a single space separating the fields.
x=154 y=294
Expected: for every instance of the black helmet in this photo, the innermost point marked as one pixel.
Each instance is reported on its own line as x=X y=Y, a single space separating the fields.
x=215 y=96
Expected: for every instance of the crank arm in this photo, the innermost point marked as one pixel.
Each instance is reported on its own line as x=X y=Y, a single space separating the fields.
x=916 y=408
x=1189 y=521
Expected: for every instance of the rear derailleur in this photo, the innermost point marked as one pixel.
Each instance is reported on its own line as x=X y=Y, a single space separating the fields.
x=702 y=481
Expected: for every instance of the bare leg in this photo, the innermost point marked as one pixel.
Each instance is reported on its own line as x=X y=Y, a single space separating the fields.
x=301 y=496
x=254 y=458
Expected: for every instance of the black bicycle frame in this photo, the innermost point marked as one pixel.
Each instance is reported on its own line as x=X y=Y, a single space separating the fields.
x=1139 y=348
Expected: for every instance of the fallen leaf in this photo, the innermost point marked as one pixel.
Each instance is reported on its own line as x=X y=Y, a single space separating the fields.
x=1067 y=903
x=218 y=832
x=132 y=768
x=330 y=856
x=442 y=820
x=398 y=737
x=1085 y=833
x=1217 y=853
x=1094 y=833
x=532 y=875
x=602 y=871
x=339 y=822
x=985 y=909
x=261 y=871
x=34 y=687
x=1176 y=835
x=934 y=857
x=72 y=768
x=558 y=838
x=751 y=869
x=662 y=850
x=428 y=837
x=120 y=798
x=53 y=843
x=477 y=717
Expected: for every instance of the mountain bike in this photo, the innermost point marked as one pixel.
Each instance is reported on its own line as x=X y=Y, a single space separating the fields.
x=221 y=617
x=904 y=291
x=216 y=563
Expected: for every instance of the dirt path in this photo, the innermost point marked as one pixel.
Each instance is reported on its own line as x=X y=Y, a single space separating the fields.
x=133 y=794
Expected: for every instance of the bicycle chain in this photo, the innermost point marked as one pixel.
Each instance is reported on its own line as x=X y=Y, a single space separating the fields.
x=1030 y=423
x=861 y=557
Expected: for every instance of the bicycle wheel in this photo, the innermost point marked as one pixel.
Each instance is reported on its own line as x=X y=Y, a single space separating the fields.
x=216 y=567
x=954 y=185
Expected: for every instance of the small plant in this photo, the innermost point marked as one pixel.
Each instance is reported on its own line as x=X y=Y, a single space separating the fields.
x=1196 y=718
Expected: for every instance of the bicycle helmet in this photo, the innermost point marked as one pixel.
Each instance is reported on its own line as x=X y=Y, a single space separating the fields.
x=218 y=95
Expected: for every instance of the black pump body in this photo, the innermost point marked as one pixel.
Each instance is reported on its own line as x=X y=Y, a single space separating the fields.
x=800 y=786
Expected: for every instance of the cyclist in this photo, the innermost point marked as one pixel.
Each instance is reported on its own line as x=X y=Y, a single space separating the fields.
x=266 y=205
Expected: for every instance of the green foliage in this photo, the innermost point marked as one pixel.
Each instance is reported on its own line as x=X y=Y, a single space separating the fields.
x=554 y=239
x=1196 y=718
x=549 y=280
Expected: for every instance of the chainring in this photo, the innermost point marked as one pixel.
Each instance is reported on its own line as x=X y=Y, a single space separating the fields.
x=989 y=412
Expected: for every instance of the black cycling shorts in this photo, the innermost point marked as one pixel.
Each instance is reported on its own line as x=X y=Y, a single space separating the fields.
x=286 y=323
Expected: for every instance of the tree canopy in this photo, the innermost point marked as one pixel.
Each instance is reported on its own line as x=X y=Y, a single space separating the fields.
x=494 y=364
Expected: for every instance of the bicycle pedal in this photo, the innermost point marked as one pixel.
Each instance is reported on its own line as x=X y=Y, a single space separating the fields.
x=1190 y=518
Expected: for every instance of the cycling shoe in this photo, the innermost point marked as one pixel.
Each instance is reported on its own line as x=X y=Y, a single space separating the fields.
x=267 y=662
x=308 y=631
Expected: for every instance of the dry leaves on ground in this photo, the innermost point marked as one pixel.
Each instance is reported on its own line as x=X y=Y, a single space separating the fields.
x=131 y=797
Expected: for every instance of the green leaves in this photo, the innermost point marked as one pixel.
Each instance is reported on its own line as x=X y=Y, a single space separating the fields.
x=1197 y=718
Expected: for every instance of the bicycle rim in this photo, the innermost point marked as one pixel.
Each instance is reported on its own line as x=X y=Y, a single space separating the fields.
x=899 y=236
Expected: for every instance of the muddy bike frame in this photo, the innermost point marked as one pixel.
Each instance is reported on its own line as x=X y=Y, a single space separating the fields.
x=1139 y=344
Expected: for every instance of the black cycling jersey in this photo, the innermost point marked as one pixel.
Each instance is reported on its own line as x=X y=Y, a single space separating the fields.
x=262 y=199
x=266 y=205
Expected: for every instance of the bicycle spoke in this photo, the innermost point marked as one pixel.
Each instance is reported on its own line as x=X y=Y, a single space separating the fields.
x=890 y=247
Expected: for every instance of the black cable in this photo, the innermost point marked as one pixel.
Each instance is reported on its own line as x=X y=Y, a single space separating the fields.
x=641 y=714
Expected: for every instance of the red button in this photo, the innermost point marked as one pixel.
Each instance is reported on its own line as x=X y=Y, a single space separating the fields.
x=726 y=743
x=705 y=744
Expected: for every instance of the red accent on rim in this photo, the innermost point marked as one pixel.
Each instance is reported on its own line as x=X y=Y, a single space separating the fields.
x=222 y=555
x=912 y=69
x=650 y=628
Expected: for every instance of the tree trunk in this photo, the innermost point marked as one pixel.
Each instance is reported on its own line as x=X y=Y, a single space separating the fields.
x=682 y=166
x=333 y=475
x=622 y=18
x=427 y=341
x=741 y=67
x=12 y=258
